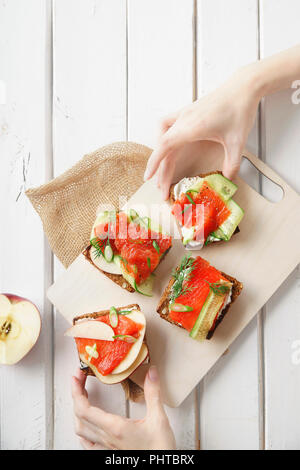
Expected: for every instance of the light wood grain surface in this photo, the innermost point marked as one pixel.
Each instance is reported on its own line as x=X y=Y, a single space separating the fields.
x=83 y=73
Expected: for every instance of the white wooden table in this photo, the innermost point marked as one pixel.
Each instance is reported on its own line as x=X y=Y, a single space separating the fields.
x=83 y=73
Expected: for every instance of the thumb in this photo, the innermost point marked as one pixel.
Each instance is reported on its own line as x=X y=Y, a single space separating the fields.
x=232 y=161
x=152 y=393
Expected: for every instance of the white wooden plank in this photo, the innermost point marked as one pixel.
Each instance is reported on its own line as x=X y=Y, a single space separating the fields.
x=160 y=80
x=89 y=111
x=227 y=33
x=282 y=324
x=25 y=389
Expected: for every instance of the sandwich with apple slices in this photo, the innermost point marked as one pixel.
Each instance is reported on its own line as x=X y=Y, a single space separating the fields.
x=204 y=209
x=127 y=248
x=111 y=344
x=198 y=297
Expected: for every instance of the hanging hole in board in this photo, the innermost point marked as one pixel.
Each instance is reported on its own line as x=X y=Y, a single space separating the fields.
x=258 y=181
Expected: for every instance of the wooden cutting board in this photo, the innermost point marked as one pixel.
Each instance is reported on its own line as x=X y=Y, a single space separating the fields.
x=262 y=255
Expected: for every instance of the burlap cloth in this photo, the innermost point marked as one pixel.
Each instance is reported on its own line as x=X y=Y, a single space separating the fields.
x=68 y=204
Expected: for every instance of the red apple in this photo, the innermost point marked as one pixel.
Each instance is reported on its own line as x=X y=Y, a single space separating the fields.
x=20 y=326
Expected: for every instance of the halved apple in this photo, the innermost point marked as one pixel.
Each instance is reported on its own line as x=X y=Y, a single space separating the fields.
x=138 y=317
x=91 y=329
x=111 y=379
x=20 y=326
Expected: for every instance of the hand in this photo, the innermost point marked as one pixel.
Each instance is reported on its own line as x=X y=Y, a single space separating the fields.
x=225 y=116
x=99 y=430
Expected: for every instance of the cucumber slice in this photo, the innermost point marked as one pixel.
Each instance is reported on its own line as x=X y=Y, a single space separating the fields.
x=228 y=227
x=209 y=311
x=223 y=186
x=145 y=288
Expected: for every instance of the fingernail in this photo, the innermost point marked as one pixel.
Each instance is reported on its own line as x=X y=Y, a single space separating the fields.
x=153 y=375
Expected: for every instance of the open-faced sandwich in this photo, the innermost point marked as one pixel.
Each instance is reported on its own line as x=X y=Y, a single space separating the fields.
x=111 y=343
x=127 y=249
x=204 y=209
x=198 y=297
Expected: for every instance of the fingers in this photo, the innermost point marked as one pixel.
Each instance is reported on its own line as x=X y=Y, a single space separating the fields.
x=87 y=445
x=84 y=411
x=85 y=432
x=81 y=377
x=168 y=121
x=81 y=381
x=232 y=161
x=79 y=393
x=165 y=177
x=152 y=394
x=169 y=142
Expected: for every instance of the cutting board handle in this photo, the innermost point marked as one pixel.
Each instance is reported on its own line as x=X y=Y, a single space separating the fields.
x=268 y=172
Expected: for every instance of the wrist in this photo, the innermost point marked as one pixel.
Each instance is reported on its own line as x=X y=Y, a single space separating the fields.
x=252 y=80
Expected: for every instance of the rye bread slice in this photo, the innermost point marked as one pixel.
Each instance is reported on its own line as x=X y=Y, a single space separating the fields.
x=202 y=175
x=92 y=316
x=163 y=305
x=117 y=278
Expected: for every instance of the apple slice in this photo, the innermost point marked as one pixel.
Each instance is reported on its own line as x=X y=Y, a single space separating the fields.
x=138 y=317
x=20 y=326
x=91 y=329
x=111 y=379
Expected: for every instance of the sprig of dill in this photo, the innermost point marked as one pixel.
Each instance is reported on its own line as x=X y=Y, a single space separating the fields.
x=99 y=246
x=218 y=288
x=182 y=275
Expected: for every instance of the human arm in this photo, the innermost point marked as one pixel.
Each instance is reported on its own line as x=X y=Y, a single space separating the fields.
x=225 y=115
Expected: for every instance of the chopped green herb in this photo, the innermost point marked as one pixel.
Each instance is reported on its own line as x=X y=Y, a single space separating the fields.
x=133 y=214
x=149 y=263
x=126 y=338
x=108 y=253
x=124 y=312
x=92 y=352
x=190 y=199
x=113 y=317
x=192 y=191
x=180 y=308
x=156 y=246
x=186 y=208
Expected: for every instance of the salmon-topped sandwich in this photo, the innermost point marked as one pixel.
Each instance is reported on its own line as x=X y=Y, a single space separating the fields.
x=111 y=343
x=204 y=209
x=127 y=248
x=198 y=297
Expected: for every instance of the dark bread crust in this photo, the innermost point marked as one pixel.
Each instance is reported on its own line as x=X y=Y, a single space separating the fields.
x=164 y=302
x=85 y=369
x=202 y=175
x=117 y=278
